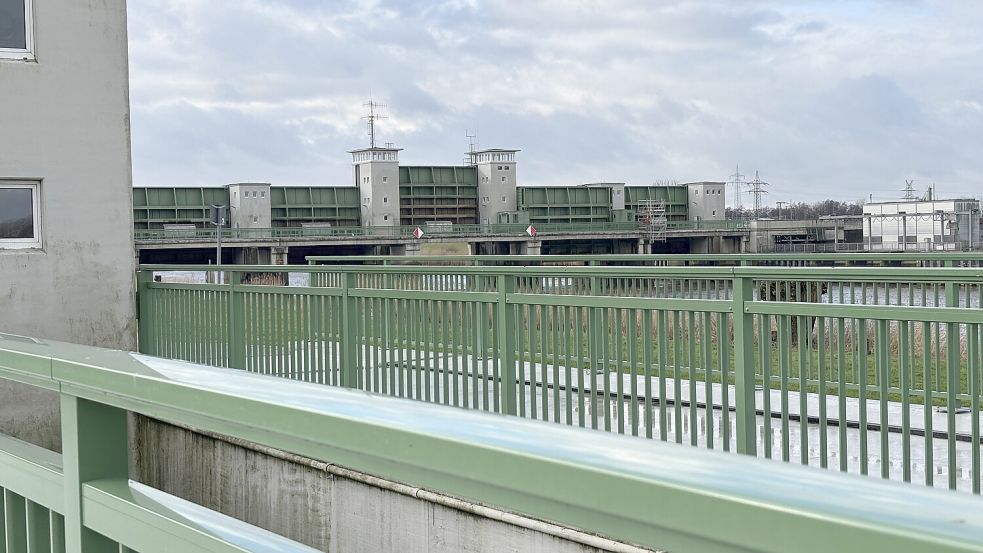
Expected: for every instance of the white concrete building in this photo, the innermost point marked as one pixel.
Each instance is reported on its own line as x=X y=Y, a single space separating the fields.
x=66 y=230
x=376 y=174
x=249 y=205
x=922 y=225
x=496 y=182
x=706 y=201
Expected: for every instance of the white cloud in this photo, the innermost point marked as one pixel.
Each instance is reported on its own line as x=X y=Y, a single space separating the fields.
x=826 y=99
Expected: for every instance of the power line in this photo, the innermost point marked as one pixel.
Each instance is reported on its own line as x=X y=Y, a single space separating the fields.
x=758 y=191
x=738 y=182
x=909 y=189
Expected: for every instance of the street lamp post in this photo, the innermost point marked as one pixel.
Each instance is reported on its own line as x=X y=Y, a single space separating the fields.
x=217 y=218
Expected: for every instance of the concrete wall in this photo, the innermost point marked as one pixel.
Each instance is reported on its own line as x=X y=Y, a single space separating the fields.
x=249 y=205
x=65 y=124
x=332 y=508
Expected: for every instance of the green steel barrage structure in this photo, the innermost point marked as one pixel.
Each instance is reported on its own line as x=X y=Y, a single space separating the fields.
x=656 y=495
x=426 y=194
x=868 y=370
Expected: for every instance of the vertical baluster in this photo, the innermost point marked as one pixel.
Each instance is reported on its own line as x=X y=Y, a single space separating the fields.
x=705 y=318
x=973 y=368
x=841 y=353
x=723 y=361
x=952 y=381
x=821 y=370
x=14 y=522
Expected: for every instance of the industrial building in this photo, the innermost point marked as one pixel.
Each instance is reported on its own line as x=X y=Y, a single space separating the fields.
x=922 y=225
x=384 y=193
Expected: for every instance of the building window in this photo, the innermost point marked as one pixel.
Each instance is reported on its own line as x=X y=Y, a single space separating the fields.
x=385 y=199
x=385 y=179
x=503 y=199
x=20 y=215
x=262 y=194
x=503 y=179
x=499 y=167
x=16 y=30
x=506 y=167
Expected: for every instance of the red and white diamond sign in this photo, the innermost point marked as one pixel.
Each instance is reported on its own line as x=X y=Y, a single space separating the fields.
x=531 y=231
x=418 y=233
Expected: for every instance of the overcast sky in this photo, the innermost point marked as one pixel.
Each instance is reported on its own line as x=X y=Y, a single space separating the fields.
x=824 y=98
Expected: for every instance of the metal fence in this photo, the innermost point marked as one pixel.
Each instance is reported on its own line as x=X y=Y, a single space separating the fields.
x=910 y=259
x=634 y=491
x=290 y=233
x=867 y=370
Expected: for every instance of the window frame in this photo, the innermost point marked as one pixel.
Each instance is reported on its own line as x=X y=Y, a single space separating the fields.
x=36 y=242
x=26 y=54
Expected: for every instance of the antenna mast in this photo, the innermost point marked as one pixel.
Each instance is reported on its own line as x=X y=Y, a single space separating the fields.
x=472 y=141
x=758 y=192
x=739 y=184
x=372 y=117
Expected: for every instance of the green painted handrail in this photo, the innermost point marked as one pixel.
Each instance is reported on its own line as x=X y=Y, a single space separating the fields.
x=657 y=495
x=689 y=259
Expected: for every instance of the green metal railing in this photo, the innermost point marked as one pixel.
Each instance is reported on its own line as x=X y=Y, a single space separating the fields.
x=287 y=233
x=867 y=370
x=919 y=259
x=656 y=495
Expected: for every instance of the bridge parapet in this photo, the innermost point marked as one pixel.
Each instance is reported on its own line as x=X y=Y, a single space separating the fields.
x=655 y=495
x=803 y=363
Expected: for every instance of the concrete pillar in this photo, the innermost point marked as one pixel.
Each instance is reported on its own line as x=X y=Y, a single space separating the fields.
x=278 y=255
x=531 y=247
x=644 y=246
x=253 y=256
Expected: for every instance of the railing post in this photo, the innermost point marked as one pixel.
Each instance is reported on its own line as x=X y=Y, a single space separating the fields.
x=507 y=324
x=744 y=381
x=146 y=341
x=953 y=373
x=237 y=322
x=348 y=332
x=94 y=447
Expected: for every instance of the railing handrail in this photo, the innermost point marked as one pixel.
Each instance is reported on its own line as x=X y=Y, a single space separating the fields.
x=406 y=231
x=647 y=258
x=637 y=491
x=843 y=274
